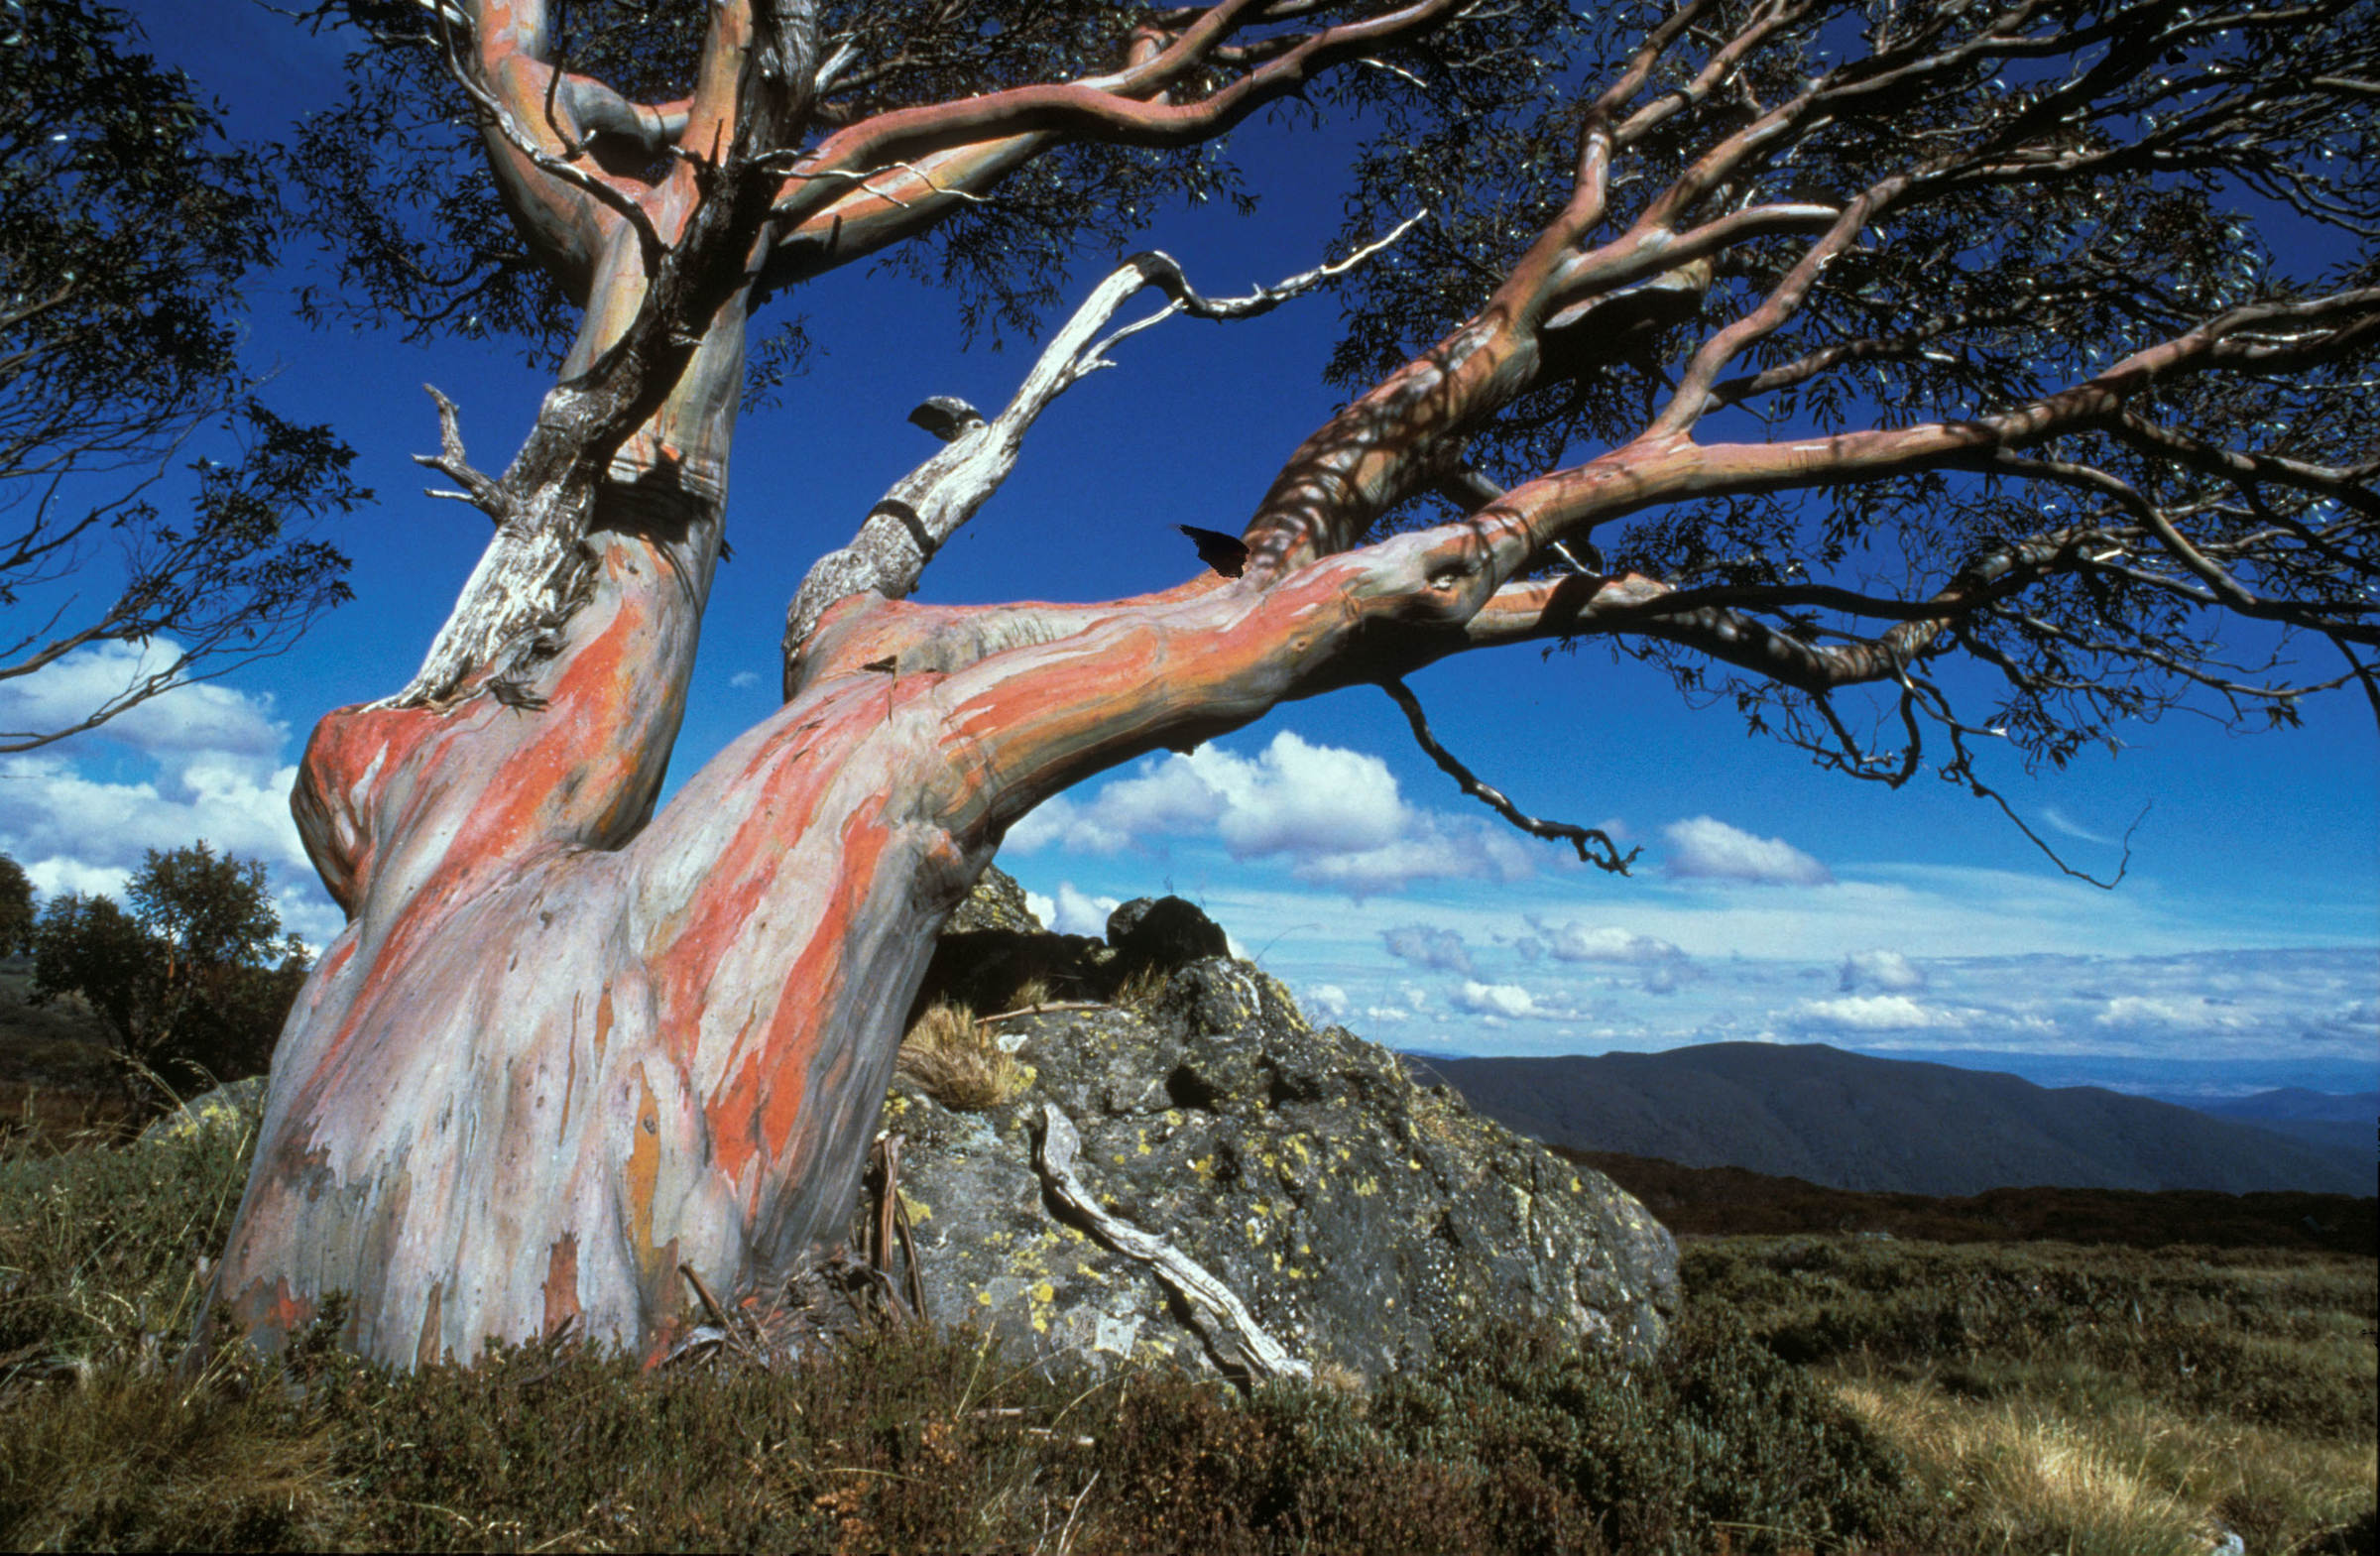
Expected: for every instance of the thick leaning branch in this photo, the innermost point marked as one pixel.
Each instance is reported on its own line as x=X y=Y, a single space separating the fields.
x=923 y=510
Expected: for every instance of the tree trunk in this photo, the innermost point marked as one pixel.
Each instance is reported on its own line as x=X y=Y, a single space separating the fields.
x=562 y=1050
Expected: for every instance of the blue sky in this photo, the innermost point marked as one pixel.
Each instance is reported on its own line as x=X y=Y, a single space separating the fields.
x=1772 y=900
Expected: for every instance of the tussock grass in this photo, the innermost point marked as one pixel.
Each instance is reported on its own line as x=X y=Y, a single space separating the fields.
x=104 y=1254
x=1144 y=986
x=2089 y=1399
x=957 y=1060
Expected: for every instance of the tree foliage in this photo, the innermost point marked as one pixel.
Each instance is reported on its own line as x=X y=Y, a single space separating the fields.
x=16 y=908
x=127 y=226
x=194 y=981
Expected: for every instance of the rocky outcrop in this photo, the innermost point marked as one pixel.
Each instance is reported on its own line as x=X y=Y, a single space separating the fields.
x=1356 y=1218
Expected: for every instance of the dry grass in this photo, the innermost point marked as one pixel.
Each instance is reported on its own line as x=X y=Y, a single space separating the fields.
x=2089 y=1399
x=957 y=1060
x=1143 y=988
x=2025 y=1473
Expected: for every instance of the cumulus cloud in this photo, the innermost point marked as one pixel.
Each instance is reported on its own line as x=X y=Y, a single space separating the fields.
x=1886 y=970
x=197 y=763
x=1668 y=977
x=1078 y=912
x=1328 y=1001
x=1576 y=942
x=744 y=680
x=1704 y=848
x=1334 y=816
x=1439 y=850
x=1425 y=945
x=51 y=811
x=2195 y=1013
x=1042 y=907
x=1873 y=1012
x=1505 y=999
x=205 y=719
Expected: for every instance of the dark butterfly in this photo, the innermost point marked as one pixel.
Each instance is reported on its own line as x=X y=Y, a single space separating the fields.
x=1226 y=554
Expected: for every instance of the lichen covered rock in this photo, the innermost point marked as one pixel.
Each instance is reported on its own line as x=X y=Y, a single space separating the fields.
x=238 y=1104
x=1359 y=1219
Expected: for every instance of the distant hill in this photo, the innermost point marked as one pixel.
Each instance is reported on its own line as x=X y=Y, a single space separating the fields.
x=1731 y=1202
x=2313 y=1117
x=1887 y=1126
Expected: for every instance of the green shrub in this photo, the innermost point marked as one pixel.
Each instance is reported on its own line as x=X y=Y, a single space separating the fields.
x=193 y=984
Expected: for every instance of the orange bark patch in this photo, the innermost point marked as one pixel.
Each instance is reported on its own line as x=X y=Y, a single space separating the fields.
x=644 y=1172
x=428 y=1350
x=767 y=1093
x=561 y=1283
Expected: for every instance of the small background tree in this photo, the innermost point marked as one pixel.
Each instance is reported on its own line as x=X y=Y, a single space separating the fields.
x=193 y=983
x=15 y=908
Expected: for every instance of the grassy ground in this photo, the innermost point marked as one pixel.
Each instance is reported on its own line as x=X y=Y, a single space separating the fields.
x=1823 y=1394
x=2089 y=1399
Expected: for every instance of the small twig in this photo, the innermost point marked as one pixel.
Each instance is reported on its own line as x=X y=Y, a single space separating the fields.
x=1066 y=1534
x=1046 y=1008
x=1593 y=844
x=703 y=1293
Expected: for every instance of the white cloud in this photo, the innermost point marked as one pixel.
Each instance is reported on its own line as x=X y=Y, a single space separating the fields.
x=199 y=762
x=203 y=719
x=1439 y=850
x=2188 y=1013
x=1298 y=799
x=1078 y=912
x=1886 y=970
x=1042 y=907
x=1574 y=942
x=1328 y=1001
x=1335 y=816
x=52 y=875
x=1492 y=999
x=1706 y=849
x=1873 y=1012
x=1164 y=798
x=1668 y=977
x=49 y=810
x=744 y=680
x=1427 y=946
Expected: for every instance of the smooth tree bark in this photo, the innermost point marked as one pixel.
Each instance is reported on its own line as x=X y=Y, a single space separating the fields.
x=568 y=1050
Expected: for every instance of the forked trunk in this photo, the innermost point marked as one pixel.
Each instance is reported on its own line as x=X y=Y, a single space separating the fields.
x=563 y=1049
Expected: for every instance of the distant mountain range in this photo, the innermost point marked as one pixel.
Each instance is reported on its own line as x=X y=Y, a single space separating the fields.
x=2317 y=1118
x=1889 y=1125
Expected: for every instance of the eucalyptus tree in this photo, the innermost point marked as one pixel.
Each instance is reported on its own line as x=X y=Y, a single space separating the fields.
x=1815 y=348
x=127 y=226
